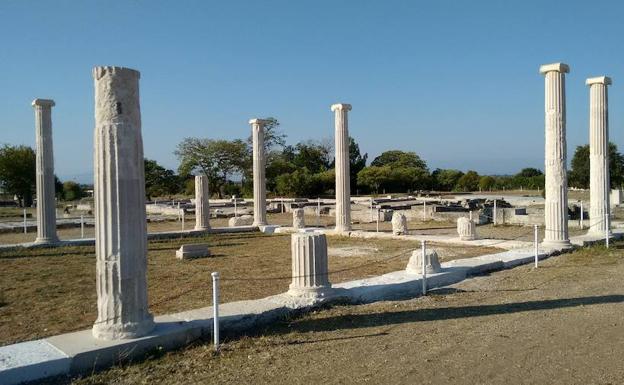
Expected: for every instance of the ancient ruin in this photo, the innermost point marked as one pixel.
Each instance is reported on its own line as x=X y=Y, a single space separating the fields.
x=46 y=203
x=259 y=164
x=298 y=218
x=399 y=223
x=309 y=265
x=202 y=203
x=343 y=181
x=432 y=263
x=120 y=225
x=466 y=229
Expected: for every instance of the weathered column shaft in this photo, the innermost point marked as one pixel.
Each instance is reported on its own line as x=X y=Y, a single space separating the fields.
x=259 y=164
x=202 y=203
x=556 y=205
x=309 y=265
x=343 y=178
x=120 y=223
x=599 y=184
x=46 y=204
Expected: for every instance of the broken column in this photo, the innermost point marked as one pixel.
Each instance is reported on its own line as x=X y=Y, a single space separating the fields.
x=259 y=163
x=599 y=183
x=343 y=177
x=399 y=223
x=466 y=229
x=298 y=218
x=556 y=191
x=120 y=223
x=309 y=265
x=202 y=203
x=432 y=262
x=46 y=204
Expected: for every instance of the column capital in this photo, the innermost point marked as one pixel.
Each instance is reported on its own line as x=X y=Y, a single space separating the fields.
x=43 y=102
x=260 y=122
x=559 y=67
x=341 y=106
x=599 y=80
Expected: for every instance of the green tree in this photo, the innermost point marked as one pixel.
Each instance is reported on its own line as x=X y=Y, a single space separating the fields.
x=217 y=159
x=397 y=158
x=468 y=182
x=529 y=172
x=72 y=191
x=160 y=181
x=445 y=179
x=579 y=175
x=17 y=172
x=373 y=177
x=486 y=182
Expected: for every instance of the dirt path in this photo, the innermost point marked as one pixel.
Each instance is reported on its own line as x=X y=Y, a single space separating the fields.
x=559 y=324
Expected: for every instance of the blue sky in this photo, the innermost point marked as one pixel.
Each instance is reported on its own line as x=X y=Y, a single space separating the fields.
x=455 y=81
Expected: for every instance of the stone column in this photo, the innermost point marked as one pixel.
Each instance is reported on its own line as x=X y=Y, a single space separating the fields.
x=202 y=203
x=343 y=180
x=309 y=265
x=46 y=203
x=599 y=183
x=556 y=205
x=120 y=223
x=259 y=164
x=298 y=218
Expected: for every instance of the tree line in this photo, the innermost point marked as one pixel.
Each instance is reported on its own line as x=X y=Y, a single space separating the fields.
x=305 y=169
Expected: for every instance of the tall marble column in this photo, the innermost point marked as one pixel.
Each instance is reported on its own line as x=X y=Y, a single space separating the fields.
x=259 y=164
x=120 y=223
x=202 y=203
x=343 y=180
x=46 y=203
x=599 y=183
x=556 y=205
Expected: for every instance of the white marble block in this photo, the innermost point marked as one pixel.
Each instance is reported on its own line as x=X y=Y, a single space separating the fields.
x=399 y=223
x=309 y=265
x=599 y=181
x=298 y=219
x=343 y=181
x=120 y=223
x=202 y=203
x=46 y=203
x=466 y=229
x=243 y=220
x=195 y=250
x=556 y=175
x=431 y=259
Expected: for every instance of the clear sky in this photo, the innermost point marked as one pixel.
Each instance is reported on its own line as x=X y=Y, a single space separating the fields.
x=455 y=81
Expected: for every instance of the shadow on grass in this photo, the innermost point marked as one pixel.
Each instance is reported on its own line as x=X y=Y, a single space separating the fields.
x=354 y=321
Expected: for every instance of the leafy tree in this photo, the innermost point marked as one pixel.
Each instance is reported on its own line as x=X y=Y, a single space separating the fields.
x=468 y=182
x=529 y=172
x=72 y=191
x=397 y=158
x=579 y=175
x=486 y=182
x=217 y=159
x=160 y=181
x=445 y=179
x=373 y=177
x=17 y=172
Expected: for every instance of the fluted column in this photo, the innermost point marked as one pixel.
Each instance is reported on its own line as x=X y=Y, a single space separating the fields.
x=343 y=178
x=46 y=204
x=599 y=184
x=120 y=224
x=259 y=164
x=309 y=265
x=556 y=205
x=202 y=203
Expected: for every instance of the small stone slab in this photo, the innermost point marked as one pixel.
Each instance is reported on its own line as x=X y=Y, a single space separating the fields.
x=243 y=220
x=195 y=250
x=31 y=361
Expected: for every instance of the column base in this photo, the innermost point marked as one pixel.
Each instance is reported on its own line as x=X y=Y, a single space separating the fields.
x=310 y=292
x=556 y=244
x=47 y=241
x=129 y=330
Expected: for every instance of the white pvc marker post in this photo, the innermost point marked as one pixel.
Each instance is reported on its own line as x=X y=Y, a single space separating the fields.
x=424 y=211
x=377 y=219
x=318 y=212
x=423 y=245
x=179 y=215
x=25 y=227
x=536 y=244
x=81 y=226
x=215 y=309
x=581 y=224
x=183 y=217
x=607 y=230
x=371 y=208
